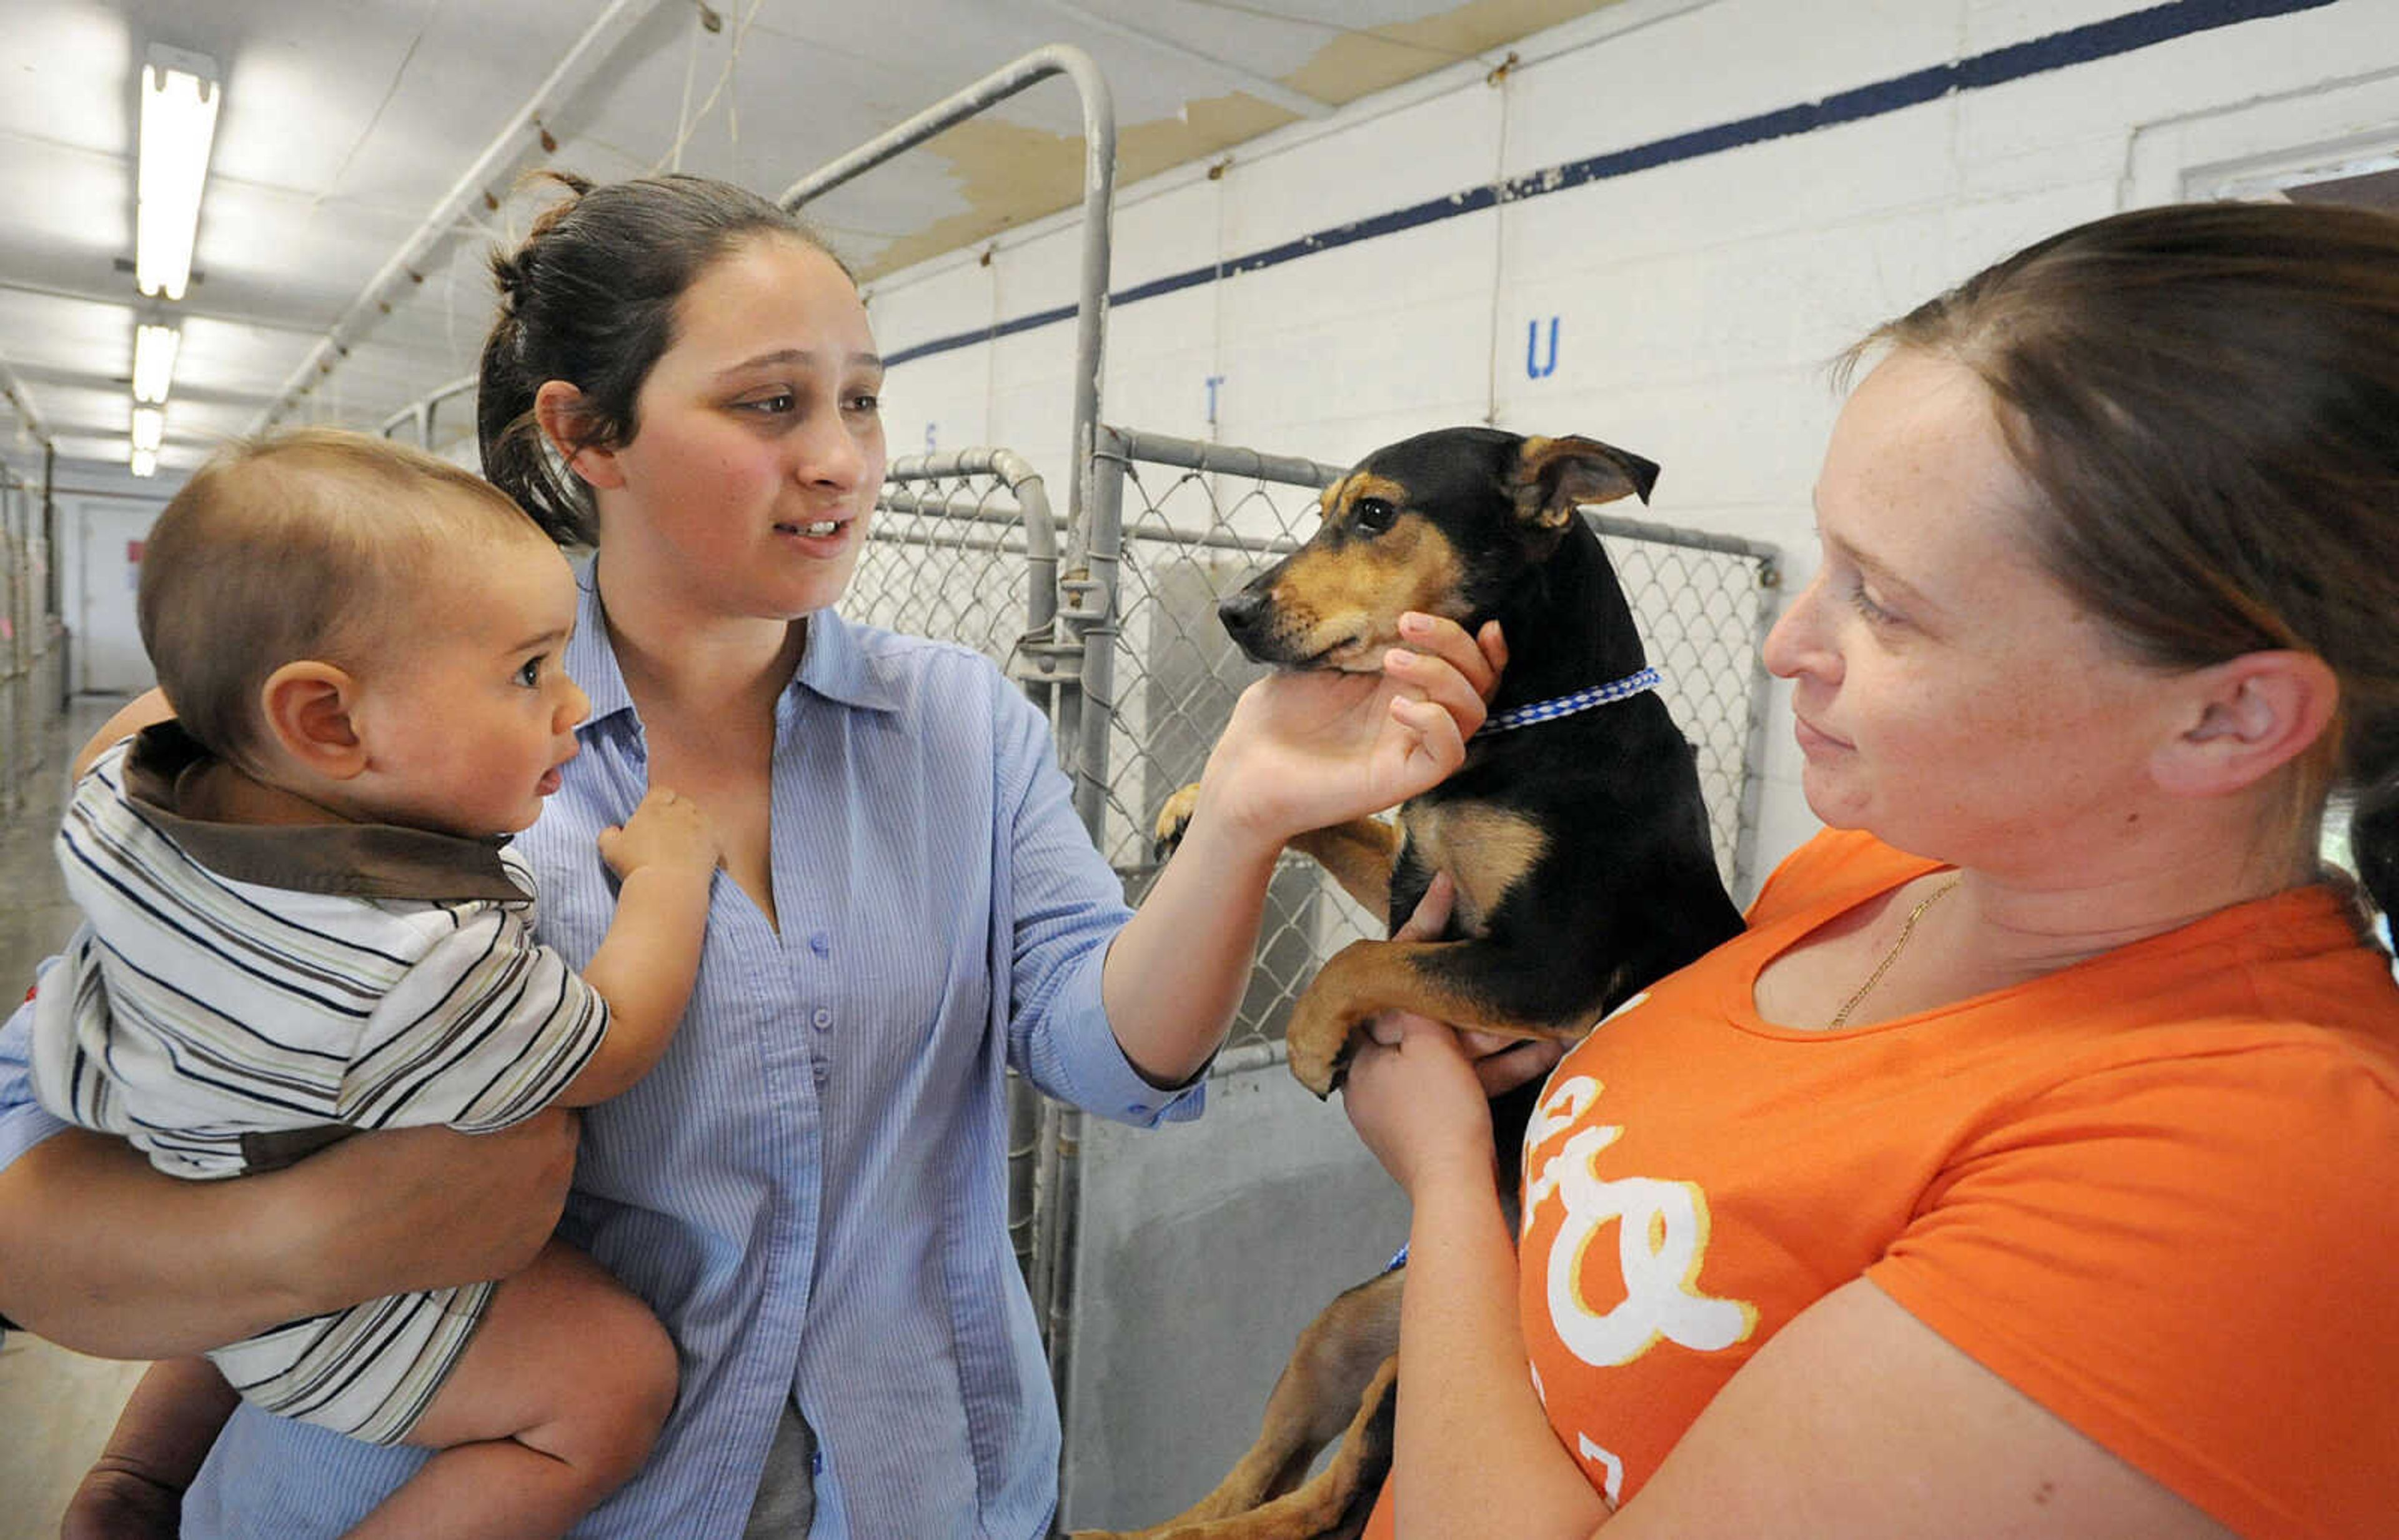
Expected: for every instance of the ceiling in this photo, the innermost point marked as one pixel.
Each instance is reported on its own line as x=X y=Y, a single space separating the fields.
x=358 y=138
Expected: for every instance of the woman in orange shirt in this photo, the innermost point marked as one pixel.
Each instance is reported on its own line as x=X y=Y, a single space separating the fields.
x=2027 y=1166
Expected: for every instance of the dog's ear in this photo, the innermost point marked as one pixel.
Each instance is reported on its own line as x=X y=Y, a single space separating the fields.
x=1555 y=475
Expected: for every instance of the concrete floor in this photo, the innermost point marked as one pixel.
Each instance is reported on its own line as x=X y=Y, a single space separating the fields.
x=56 y=1407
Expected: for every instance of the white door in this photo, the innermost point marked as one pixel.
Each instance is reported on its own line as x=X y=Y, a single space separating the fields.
x=107 y=645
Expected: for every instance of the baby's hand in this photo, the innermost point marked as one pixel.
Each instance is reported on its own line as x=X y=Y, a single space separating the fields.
x=667 y=830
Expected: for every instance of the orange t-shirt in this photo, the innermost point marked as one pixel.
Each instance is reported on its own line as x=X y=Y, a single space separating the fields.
x=2157 y=1192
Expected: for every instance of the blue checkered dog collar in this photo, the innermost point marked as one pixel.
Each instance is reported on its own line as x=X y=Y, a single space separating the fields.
x=1566 y=706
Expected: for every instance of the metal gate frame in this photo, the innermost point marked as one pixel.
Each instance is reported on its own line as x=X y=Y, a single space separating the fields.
x=32 y=640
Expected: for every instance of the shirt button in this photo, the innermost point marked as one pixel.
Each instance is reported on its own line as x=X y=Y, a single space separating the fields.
x=1139 y=1109
x=822 y=943
x=823 y=1018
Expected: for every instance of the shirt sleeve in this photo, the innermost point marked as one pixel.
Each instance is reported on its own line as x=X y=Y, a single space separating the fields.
x=485 y=1031
x=23 y=1123
x=1067 y=905
x=2191 y=1260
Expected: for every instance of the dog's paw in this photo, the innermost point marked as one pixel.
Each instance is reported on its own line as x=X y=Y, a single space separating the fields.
x=1173 y=820
x=1318 y=1043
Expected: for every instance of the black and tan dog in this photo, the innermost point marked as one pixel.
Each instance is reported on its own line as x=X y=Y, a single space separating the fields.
x=1575 y=833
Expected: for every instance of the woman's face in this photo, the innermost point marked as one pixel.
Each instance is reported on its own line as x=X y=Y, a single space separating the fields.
x=1950 y=696
x=758 y=440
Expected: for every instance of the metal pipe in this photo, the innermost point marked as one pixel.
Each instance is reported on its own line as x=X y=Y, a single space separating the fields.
x=507 y=147
x=1093 y=580
x=1220 y=459
x=1016 y=473
x=1248 y=1056
x=421 y=408
x=1099 y=193
x=1215 y=540
x=1291 y=470
x=1672 y=534
x=13 y=389
x=1067 y=1197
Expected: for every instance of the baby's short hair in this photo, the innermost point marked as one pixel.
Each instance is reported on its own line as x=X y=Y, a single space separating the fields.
x=310 y=544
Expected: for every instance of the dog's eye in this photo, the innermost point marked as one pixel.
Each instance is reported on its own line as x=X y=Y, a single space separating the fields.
x=1372 y=515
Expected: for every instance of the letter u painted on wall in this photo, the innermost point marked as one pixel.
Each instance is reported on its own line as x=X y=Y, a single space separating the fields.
x=1537 y=367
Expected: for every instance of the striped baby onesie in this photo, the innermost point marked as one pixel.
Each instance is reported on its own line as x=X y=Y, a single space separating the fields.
x=239 y=996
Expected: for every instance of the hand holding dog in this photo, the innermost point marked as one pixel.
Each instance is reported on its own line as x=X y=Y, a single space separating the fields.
x=1419 y=1092
x=1307 y=749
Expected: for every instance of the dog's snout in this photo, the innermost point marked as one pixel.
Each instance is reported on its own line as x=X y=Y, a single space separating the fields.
x=1240 y=611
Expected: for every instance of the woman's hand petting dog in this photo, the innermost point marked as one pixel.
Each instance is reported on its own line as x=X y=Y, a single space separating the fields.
x=1307 y=749
x=1419 y=1092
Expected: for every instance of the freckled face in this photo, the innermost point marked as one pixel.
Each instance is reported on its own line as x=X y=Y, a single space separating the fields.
x=1950 y=696
x=758 y=441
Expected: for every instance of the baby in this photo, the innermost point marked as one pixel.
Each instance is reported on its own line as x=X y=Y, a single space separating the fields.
x=302 y=920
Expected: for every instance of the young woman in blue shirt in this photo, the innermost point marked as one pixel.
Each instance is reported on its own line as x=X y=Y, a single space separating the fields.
x=811 y=1188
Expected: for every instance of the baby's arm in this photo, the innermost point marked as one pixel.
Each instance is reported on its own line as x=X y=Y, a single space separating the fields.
x=664 y=855
x=136 y=1488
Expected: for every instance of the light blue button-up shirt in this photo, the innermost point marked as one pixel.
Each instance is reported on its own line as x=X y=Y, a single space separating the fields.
x=810 y=1187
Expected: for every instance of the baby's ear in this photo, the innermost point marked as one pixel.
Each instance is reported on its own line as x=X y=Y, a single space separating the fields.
x=308 y=706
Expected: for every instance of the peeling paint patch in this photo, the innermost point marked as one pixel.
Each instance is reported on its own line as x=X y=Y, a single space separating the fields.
x=1360 y=63
x=1010 y=175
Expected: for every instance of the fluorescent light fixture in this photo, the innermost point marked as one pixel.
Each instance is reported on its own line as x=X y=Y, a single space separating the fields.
x=149 y=427
x=180 y=97
x=145 y=462
x=154 y=361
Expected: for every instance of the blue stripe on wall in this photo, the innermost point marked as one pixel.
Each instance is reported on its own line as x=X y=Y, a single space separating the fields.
x=2120 y=34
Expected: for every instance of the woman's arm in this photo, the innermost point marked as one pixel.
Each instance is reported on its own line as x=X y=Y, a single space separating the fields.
x=135 y=1489
x=101 y=1253
x=1302 y=751
x=1856 y=1419
x=1472 y=1432
x=140 y=712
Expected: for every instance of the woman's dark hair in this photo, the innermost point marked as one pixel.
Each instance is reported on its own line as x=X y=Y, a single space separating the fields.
x=589 y=298
x=2206 y=399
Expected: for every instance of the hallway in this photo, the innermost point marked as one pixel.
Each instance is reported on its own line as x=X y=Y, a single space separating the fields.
x=56 y=1407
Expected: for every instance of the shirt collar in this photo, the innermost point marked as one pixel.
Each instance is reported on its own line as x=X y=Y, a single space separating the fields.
x=361 y=860
x=591 y=662
x=837 y=663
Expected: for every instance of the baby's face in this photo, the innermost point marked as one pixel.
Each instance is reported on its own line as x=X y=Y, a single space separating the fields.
x=468 y=715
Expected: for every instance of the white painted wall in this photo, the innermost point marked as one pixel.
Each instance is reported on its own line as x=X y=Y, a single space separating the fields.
x=1697 y=303
x=103 y=516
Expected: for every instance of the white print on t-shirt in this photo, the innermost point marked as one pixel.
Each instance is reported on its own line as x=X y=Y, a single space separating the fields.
x=1612 y=1470
x=1661 y=1245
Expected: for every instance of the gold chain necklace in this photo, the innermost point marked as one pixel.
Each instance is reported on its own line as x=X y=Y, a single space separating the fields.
x=1906 y=929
